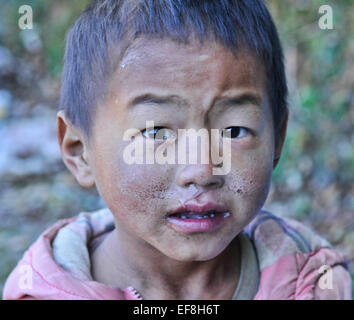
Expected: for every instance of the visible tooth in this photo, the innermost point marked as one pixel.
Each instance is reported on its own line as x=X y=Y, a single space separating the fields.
x=206 y=216
x=212 y=215
x=183 y=217
x=226 y=214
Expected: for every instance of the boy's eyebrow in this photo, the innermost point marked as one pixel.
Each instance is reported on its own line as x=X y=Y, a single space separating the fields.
x=153 y=99
x=242 y=99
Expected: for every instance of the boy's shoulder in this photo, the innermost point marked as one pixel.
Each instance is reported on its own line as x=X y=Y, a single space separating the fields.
x=57 y=264
x=294 y=260
x=274 y=237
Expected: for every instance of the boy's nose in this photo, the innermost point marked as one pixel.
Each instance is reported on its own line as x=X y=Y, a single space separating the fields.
x=198 y=172
x=200 y=175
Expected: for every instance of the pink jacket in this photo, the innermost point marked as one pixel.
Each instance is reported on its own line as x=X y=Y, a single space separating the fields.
x=281 y=259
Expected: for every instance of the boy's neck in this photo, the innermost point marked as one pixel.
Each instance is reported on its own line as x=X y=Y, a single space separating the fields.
x=120 y=262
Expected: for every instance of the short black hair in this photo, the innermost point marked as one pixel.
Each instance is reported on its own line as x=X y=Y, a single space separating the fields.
x=107 y=24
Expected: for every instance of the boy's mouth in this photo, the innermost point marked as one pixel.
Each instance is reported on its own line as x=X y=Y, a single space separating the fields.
x=196 y=218
x=196 y=215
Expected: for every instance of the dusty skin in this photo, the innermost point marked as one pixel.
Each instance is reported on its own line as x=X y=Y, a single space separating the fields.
x=196 y=86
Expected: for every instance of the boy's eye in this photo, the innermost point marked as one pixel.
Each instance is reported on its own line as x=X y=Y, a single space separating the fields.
x=158 y=133
x=234 y=132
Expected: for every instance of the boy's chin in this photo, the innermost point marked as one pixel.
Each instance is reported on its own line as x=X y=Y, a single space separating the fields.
x=200 y=252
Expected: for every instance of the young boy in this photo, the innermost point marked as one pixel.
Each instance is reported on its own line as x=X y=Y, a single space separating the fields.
x=175 y=229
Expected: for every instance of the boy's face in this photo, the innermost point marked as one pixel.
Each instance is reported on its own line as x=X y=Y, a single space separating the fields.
x=141 y=195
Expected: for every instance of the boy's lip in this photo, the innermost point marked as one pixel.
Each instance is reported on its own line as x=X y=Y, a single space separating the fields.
x=198 y=217
x=200 y=208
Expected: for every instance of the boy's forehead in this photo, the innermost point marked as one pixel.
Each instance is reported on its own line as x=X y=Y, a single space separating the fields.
x=143 y=48
x=166 y=50
x=167 y=66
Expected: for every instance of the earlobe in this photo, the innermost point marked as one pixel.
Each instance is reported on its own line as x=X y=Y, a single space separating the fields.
x=280 y=139
x=73 y=150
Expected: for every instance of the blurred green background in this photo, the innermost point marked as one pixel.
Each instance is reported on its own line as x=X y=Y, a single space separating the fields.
x=313 y=182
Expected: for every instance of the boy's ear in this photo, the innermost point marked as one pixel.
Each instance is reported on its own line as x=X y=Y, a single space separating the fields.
x=74 y=151
x=280 y=139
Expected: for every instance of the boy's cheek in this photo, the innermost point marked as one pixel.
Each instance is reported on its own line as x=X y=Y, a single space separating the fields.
x=250 y=188
x=249 y=180
x=137 y=189
x=251 y=172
